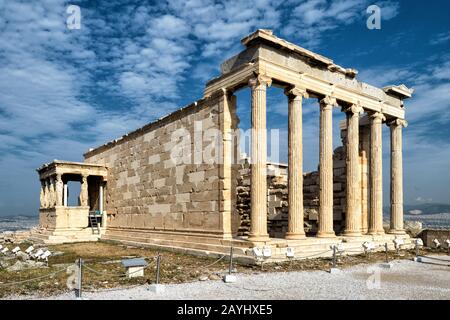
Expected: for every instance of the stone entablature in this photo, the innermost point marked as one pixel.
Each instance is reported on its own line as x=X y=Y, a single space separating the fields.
x=68 y=167
x=288 y=64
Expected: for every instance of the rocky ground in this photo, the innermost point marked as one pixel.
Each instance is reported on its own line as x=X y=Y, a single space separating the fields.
x=104 y=270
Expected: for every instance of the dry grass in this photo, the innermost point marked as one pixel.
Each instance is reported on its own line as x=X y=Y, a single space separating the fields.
x=175 y=267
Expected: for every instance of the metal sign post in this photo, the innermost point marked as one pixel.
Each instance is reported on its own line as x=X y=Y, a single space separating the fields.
x=80 y=277
x=229 y=278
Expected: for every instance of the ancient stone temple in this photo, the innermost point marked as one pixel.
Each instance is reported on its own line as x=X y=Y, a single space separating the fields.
x=156 y=187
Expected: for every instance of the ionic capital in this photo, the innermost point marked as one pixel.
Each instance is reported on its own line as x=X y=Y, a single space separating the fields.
x=260 y=79
x=354 y=109
x=398 y=122
x=328 y=102
x=296 y=91
x=378 y=116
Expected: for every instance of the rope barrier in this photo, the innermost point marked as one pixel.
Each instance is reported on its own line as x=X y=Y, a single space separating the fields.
x=32 y=279
x=316 y=254
x=211 y=264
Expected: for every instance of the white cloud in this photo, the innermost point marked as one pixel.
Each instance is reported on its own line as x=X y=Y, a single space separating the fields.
x=440 y=38
x=389 y=9
x=312 y=19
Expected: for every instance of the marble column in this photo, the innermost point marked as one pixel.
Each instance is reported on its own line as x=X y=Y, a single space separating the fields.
x=84 y=192
x=364 y=136
x=295 y=160
x=65 y=194
x=258 y=187
x=376 y=174
x=396 y=226
x=100 y=198
x=353 y=173
x=59 y=186
x=326 y=168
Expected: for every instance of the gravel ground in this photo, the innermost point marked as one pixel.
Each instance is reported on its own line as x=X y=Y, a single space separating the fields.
x=404 y=280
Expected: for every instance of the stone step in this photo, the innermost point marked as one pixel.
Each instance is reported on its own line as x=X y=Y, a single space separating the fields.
x=175 y=237
x=193 y=251
x=174 y=243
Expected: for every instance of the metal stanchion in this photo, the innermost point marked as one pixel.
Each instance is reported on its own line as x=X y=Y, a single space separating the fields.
x=80 y=278
x=157 y=287
x=229 y=277
x=386 y=264
x=334 y=268
x=230 y=269
x=158 y=266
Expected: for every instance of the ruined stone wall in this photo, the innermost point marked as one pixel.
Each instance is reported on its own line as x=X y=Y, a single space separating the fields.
x=146 y=189
x=277 y=198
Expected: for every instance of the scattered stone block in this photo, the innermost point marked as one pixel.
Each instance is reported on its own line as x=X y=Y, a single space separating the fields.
x=386 y=265
x=229 y=278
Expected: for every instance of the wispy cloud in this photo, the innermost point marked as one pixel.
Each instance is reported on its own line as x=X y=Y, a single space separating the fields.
x=312 y=19
x=440 y=38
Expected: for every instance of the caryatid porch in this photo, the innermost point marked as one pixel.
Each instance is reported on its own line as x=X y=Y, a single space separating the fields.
x=268 y=61
x=56 y=214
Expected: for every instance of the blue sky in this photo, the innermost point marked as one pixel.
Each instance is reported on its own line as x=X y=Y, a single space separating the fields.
x=63 y=91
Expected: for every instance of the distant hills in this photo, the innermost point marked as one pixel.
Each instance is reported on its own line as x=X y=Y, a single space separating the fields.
x=425 y=208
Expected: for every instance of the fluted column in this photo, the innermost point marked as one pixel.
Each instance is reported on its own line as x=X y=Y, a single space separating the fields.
x=353 y=173
x=376 y=174
x=59 y=190
x=84 y=192
x=326 y=168
x=295 y=164
x=396 y=226
x=258 y=187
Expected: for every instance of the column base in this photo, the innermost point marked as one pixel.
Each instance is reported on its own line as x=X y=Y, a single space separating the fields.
x=394 y=231
x=325 y=234
x=352 y=233
x=259 y=238
x=376 y=232
x=295 y=236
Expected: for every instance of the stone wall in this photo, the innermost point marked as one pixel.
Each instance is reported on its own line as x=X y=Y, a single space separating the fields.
x=146 y=189
x=277 y=198
x=428 y=235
